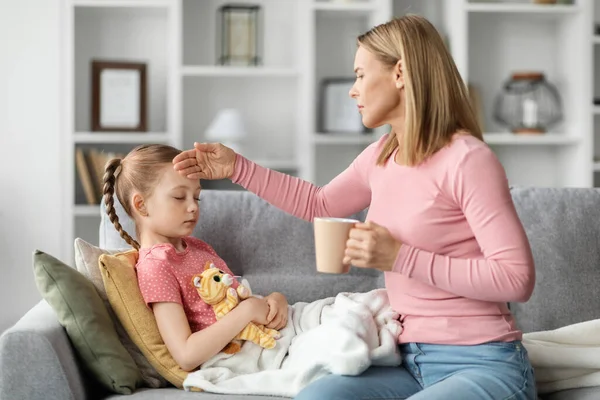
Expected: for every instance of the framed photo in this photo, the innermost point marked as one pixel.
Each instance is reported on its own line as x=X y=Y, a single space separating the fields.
x=118 y=96
x=339 y=112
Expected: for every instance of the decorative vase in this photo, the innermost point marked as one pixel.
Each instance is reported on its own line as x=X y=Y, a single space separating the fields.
x=528 y=103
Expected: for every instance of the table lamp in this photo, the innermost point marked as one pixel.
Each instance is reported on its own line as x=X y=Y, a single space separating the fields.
x=228 y=128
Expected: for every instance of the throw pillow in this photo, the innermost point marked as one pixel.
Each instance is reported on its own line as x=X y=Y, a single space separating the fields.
x=120 y=281
x=81 y=311
x=86 y=261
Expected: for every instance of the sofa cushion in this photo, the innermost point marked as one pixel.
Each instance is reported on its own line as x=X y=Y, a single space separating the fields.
x=120 y=281
x=80 y=310
x=86 y=261
x=563 y=227
x=249 y=234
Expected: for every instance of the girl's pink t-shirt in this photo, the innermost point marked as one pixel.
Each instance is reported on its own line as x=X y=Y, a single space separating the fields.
x=166 y=275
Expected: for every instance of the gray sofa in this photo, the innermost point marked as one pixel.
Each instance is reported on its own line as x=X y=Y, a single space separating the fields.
x=274 y=251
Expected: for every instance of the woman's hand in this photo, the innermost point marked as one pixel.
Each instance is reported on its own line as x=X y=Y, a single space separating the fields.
x=206 y=161
x=371 y=246
x=258 y=310
x=278 y=311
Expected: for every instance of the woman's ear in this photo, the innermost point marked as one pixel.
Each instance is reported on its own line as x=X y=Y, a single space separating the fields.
x=398 y=75
x=139 y=205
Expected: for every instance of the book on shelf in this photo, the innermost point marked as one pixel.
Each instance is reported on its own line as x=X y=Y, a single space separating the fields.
x=90 y=165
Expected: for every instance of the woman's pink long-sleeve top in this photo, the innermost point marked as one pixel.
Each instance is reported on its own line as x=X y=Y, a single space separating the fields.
x=464 y=251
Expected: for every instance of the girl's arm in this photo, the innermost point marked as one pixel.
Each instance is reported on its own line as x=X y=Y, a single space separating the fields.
x=192 y=349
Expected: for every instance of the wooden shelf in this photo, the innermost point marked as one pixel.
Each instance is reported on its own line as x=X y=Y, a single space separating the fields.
x=531 y=9
x=122 y=3
x=82 y=210
x=120 y=137
x=343 y=138
x=217 y=71
x=543 y=139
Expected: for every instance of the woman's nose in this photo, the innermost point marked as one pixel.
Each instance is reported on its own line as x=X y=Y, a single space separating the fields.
x=353 y=92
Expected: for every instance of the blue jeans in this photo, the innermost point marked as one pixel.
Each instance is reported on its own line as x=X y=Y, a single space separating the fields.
x=490 y=371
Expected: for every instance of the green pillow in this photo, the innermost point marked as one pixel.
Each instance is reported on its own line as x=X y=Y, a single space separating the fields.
x=81 y=311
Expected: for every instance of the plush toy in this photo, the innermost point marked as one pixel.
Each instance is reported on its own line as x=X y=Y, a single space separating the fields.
x=214 y=287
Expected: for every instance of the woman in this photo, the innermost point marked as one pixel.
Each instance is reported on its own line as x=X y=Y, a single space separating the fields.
x=441 y=224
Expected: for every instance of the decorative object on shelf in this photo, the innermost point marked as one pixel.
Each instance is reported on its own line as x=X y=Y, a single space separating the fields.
x=227 y=128
x=89 y=164
x=339 y=112
x=528 y=103
x=239 y=35
x=119 y=93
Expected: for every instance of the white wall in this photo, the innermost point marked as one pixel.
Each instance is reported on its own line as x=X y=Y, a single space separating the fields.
x=29 y=147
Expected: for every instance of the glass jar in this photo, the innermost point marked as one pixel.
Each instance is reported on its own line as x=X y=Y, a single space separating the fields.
x=528 y=103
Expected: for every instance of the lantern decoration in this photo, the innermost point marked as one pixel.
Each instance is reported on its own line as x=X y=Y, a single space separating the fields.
x=239 y=35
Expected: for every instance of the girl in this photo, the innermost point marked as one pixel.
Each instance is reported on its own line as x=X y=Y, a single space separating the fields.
x=164 y=207
x=441 y=224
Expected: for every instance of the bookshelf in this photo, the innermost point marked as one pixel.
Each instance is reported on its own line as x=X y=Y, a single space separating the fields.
x=111 y=30
x=491 y=39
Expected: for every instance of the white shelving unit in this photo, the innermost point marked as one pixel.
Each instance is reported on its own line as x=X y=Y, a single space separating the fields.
x=330 y=30
x=491 y=40
x=110 y=30
x=305 y=42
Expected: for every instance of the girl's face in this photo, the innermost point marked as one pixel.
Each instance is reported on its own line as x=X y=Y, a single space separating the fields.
x=376 y=90
x=172 y=210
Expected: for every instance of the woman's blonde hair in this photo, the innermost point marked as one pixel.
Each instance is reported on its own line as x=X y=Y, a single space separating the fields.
x=437 y=101
x=137 y=171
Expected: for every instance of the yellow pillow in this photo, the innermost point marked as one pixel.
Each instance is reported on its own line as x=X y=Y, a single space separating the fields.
x=123 y=292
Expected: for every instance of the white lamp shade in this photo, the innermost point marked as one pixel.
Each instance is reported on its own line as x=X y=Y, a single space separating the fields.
x=227 y=126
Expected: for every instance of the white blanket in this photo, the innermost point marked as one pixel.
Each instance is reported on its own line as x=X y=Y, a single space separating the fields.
x=565 y=358
x=339 y=335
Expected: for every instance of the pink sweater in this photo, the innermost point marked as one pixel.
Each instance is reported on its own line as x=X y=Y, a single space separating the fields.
x=464 y=252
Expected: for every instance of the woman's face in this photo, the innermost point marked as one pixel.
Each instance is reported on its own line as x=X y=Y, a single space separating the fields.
x=377 y=90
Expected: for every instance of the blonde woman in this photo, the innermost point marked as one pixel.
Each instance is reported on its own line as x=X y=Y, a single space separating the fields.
x=441 y=224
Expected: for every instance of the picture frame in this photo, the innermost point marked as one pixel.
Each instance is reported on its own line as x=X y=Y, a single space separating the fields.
x=338 y=111
x=119 y=96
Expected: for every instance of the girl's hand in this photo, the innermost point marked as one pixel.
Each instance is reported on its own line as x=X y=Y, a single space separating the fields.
x=371 y=246
x=206 y=161
x=278 y=311
x=258 y=310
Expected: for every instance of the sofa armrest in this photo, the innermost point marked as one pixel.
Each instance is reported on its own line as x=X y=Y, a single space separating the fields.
x=37 y=360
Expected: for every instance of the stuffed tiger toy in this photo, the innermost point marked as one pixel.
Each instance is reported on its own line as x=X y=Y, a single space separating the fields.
x=214 y=287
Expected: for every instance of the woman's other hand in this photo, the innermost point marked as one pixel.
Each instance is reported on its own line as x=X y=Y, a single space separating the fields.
x=206 y=161
x=278 y=311
x=371 y=246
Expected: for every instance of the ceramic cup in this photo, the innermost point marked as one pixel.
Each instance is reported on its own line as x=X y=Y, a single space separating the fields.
x=331 y=235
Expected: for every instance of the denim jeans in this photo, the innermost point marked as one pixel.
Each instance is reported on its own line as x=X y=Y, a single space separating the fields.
x=490 y=371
